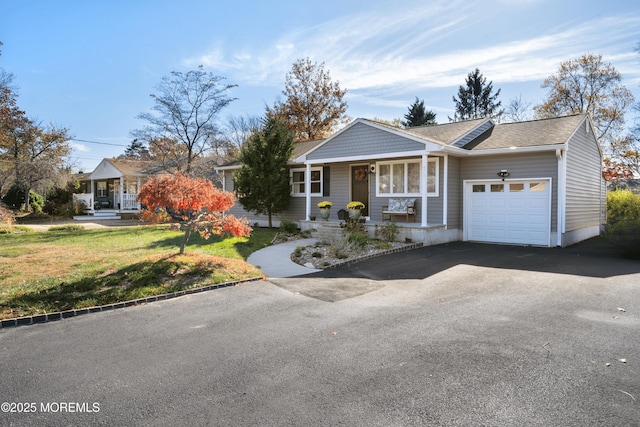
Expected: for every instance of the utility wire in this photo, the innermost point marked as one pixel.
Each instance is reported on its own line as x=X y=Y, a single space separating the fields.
x=96 y=142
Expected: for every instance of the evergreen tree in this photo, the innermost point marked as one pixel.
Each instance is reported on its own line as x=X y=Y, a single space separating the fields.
x=263 y=183
x=475 y=100
x=136 y=151
x=418 y=115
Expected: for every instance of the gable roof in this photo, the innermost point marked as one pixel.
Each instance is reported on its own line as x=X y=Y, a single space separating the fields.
x=534 y=133
x=446 y=133
x=299 y=148
x=457 y=138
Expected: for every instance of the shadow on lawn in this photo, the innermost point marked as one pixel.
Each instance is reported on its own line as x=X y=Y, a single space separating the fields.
x=143 y=279
x=259 y=239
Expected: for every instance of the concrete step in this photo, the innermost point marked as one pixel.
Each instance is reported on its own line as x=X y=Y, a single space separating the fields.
x=96 y=217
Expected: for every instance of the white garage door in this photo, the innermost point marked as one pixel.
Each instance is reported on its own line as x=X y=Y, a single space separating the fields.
x=516 y=212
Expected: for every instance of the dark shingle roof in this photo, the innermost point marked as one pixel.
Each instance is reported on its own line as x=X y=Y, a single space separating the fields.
x=528 y=134
x=445 y=133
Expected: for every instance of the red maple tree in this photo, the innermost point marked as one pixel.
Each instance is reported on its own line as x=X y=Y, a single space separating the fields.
x=191 y=205
x=615 y=171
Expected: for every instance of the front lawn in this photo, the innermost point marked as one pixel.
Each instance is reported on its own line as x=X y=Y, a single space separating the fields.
x=68 y=269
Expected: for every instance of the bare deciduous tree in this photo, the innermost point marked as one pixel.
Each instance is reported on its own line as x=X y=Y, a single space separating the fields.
x=185 y=112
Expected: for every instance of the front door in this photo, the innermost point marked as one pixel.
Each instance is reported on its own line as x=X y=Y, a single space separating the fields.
x=360 y=186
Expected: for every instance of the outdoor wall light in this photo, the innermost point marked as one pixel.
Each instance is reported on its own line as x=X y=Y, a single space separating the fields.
x=503 y=174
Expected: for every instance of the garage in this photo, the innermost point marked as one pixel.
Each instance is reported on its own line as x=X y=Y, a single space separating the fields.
x=510 y=211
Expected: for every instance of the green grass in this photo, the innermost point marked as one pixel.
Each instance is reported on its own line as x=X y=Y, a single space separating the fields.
x=70 y=268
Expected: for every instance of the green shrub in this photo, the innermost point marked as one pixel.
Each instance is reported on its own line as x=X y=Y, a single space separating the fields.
x=36 y=201
x=59 y=202
x=358 y=238
x=66 y=227
x=387 y=232
x=289 y=227
x=15 y=229
x=623 y=221
x=622 y=205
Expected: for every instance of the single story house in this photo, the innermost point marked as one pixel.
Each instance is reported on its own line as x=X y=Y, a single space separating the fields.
x=113 y=185
x=528 y=183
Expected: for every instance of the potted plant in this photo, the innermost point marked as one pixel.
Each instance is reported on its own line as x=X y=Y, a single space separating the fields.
x=354 y=208
x=325 y=209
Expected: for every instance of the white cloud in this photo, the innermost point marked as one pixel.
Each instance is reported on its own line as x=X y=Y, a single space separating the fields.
x=79 y=147
x=382 y=52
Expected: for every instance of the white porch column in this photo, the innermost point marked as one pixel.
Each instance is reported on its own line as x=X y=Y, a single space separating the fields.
x=121 y=195
x=92 y=201
x=445 y=192
x=424 y=181
x=138 y=184
x=307 y=190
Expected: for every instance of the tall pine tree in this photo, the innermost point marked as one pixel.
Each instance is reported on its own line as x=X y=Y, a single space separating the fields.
x=418 y=115
x=262 y=183
x=475 y=99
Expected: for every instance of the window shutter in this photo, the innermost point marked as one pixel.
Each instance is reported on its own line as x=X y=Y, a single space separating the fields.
x=325 y=181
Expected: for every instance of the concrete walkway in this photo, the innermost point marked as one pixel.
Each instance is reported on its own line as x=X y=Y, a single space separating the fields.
x=275 y=260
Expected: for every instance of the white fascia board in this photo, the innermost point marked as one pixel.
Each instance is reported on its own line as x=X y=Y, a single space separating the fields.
x=430 y=146
x=227 y=168
x=367 y=157
x=515 y=150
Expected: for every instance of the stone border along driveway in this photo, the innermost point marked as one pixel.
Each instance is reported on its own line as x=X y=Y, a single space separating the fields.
x=48 y=317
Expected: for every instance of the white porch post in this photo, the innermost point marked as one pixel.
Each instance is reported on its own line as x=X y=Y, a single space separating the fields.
x=445 y=192
x=92 y=200
x=424 y=187
x=137 y=192
x=121 y=195
x=307 y=190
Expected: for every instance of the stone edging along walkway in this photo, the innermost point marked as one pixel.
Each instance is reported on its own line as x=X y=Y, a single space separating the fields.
x=44 y=318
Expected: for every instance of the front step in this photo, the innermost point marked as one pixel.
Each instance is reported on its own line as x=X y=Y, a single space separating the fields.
x=104 y=215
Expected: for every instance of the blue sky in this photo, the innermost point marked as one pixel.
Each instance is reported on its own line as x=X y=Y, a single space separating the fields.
x=90 y=65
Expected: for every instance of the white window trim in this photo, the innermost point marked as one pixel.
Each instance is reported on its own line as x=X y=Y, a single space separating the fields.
x=304 y=171
x=406 y=177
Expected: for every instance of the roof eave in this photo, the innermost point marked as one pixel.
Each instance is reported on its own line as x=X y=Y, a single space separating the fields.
x=516 y=150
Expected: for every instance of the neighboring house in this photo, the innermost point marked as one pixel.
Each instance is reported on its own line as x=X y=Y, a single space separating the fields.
x=527 y=183
x=113 y=185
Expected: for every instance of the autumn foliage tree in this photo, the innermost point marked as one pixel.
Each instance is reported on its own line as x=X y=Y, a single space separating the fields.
x=315 y=104
x=191 y=205
x=588 y=85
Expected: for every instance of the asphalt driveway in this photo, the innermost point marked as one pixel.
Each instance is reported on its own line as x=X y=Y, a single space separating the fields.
x=457 y=334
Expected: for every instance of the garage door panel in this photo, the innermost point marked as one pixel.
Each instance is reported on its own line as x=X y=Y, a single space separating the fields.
x=518 y=214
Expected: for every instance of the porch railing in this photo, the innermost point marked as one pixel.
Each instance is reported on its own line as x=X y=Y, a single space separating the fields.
x=129 y=201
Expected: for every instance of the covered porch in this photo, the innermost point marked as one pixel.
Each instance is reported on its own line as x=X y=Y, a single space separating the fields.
x=111 y=189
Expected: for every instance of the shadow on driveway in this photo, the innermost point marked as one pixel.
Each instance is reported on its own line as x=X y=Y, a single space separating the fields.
x=591 y=258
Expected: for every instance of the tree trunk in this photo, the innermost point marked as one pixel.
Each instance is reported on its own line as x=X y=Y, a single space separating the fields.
x=185 y=239
x=26 y=200
x=270 y=225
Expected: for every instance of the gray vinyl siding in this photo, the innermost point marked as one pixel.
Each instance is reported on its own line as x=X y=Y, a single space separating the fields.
x=295 y=212
x=534 y=165
x=362 y=140
x=584 y=181
x=454 y=213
